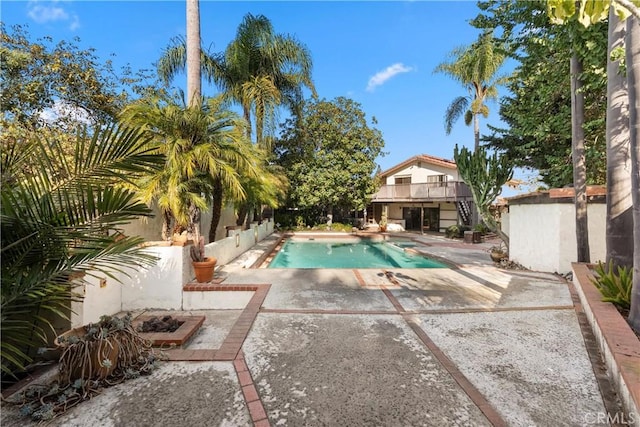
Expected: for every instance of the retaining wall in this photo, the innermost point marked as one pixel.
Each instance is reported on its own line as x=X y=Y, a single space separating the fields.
x=160 y=286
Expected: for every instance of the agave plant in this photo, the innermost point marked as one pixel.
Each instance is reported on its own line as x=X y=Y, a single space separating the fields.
x=60 y=218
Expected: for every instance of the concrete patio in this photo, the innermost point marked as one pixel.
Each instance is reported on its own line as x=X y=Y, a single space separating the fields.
x=473 y=345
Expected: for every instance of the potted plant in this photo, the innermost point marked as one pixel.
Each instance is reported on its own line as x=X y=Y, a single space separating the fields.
x=94 y=356
x=203 y=266
x=498 y=253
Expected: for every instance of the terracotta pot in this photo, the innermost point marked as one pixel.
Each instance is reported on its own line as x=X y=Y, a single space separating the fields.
x=204 y=269
x=99 y=350
x=497 y=256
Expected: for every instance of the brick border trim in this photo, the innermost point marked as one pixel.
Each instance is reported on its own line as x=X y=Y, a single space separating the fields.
x=324 y=311
x=232 y=344
x=619 y=346
x=178 y=337
x=193 y=287
x=609 y=396
x=476 y=397
x=359 y=278
x=250 y=392
x=267 y=256
x=401 y=311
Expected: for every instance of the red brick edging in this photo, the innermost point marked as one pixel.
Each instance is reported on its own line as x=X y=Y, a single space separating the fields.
x=233 y=342
x=619 y=346
x=476 y=397
x=250 y=393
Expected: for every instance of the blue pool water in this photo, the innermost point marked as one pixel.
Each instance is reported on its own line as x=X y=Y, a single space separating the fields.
x=332 y=254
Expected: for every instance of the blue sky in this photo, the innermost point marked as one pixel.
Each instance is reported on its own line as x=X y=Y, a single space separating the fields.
x=381 y=54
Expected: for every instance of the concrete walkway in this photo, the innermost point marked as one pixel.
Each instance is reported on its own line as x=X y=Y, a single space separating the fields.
x=473 y=345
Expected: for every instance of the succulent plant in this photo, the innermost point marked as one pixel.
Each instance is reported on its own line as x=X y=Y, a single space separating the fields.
x=197 y=250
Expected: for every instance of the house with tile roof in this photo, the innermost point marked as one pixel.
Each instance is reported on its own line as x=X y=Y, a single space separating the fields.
x=423 y=193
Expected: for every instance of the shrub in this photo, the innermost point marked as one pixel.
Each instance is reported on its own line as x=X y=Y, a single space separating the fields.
x=454 y=231
x=615 y=286
x=481 y=227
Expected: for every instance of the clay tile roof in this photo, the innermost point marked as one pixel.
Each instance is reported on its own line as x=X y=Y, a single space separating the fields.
x=424 y=158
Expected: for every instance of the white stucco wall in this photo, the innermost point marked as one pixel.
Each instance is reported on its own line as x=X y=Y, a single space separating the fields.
x=448 y=215
x=231 y=247
x=227 y=217
x=420 y=174
x=543 y=236
x=159 y=286
x=504 y=223
x=150 y=229
x=97 y=301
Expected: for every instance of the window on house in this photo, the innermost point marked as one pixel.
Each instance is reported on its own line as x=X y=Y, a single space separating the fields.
x=437 y=179
x=403 y=180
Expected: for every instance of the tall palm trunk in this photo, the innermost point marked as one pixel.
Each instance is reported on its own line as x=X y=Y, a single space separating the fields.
x=619 y=203
x=578 y=156
x=246 y=110
x=216 y=208
x=166 y=225
x=194 y=88
x=243 y=211
x=633 y=83
x=476 y=132
x=194 y=82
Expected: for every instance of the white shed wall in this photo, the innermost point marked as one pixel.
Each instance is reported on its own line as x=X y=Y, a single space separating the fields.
x=543 y=236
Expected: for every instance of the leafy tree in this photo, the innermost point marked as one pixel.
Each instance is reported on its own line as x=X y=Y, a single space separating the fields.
x=259 y=70
x=537 y=110
x=201 y=144
x=588 y=13
x=59 y=220
x=52 y=90
x=475 y=68
x=329 y=153
x=38 y=76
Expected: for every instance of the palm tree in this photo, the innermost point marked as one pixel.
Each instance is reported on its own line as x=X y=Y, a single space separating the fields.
x=267 y=188
x=619 y=200
x=194 y=79
x=201 y=144
x=258 y=70
x=633 y=79
x=60 y=219
x=474 y=67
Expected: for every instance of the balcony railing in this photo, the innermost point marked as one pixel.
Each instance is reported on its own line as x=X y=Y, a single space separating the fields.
x=424 y=192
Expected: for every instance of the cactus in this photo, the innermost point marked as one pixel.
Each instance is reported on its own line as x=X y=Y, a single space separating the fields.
x=197 y=250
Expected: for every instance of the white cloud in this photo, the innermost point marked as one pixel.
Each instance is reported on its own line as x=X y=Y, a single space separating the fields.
x=75 y=23
x=61 y=110
x=51 y=12
x=382 y=76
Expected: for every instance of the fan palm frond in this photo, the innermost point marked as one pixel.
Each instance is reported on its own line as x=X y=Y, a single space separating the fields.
x=59 y=220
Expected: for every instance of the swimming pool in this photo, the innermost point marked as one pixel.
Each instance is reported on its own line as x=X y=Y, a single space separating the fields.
x=336 y=254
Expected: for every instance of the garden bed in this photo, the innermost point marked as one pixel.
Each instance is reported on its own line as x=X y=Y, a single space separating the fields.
x=189 y=325
x=618 y=343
